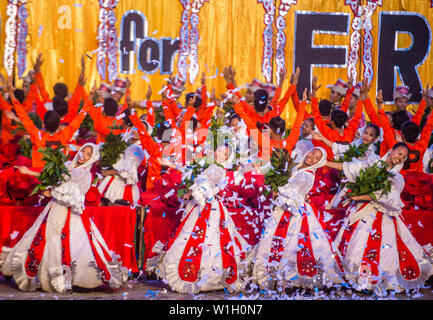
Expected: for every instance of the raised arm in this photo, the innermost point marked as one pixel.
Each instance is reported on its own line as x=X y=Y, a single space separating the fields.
x=72 y=127
x=388 y=134
x=351 y=129
x=293 y=137
x=40 y=80
x=153 y=148
x=346 y=102
x=421 y=107
x=21 y=113
x=318 y=121
x=150 y=108
x=426 y=133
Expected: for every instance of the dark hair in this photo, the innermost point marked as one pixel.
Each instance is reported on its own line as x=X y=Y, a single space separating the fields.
x=194 y=123
x=400 y=144
x=398 y=118
x=60 y=105
x=278 y=125
x=161 y=130
x=339 y=118
x=325 y=107
x=110 y=107
x=311 y=120
x=51 y=121
x=260 y=100
x=19 y=95
x=234 y=116
x=375 y=127
x=61 y=89
x=126 y=118
x=191 y=95
x=410 y=131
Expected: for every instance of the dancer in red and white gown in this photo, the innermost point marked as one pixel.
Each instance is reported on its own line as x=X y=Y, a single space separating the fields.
x=121 y=182
x=294 y=251
x=207 y=252
x=378 y=251
x=64 y=248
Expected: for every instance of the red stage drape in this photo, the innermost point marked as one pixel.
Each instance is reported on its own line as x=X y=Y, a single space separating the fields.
x=116 y=224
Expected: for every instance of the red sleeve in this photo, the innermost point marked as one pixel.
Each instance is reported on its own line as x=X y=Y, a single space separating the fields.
x=169 y=116
x=71 y=128
x=345 y=105
x=172 y=102
x=74 y=104
x=125 y=102
x=240 y=110
x=319 y=122
x=153 y=148
x=388 y=134
x=283 y=102
x=41 y=86
x=206 y=117
x=25 y=119
x=150 y=113
x=4 y=105
x=350 y=131
x=371 y=112
x=420 y=112
x=426 y=133
x=40 y=107
x=276 y=97
x=28 y=103
x=231 y=87
x=186 y=118
x=293 y=137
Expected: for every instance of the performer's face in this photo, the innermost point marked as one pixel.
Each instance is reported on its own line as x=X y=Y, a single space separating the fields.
x=313 y=157
x=234 y=124
x=249 y=96
x=117 y=95
x=334 y=96
x=401 y=103
x=369 y=135
x=85 y=154
x=307 y=127
x=398 y=155
x=221 y=154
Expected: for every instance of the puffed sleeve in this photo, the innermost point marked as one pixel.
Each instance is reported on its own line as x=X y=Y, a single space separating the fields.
x=391 y=203
x=338 y=149
x=128 y=164
x=428 y=155
x=207 y=185
x=72 y=192
x=351 y=169
x=292 y=195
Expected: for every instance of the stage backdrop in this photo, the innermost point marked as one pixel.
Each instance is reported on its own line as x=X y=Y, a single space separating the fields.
x=386 y=41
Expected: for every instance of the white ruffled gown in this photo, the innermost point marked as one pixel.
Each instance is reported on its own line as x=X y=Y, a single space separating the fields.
x=116 y=187
x=294 y=250
x=63 y=248
x=207 y=252
x=378 y=251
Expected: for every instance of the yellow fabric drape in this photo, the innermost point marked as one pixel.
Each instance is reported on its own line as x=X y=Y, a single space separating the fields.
x=231 y=32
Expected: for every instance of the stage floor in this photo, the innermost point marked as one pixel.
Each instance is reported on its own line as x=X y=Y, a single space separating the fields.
x=156 y=290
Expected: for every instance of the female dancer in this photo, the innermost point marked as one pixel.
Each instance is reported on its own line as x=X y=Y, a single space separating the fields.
x=378 y=251
x=207 y=252
x=294 y=250
x=64 y=248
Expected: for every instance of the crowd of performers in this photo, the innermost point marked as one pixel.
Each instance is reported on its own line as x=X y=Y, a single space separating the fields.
x=228 y=229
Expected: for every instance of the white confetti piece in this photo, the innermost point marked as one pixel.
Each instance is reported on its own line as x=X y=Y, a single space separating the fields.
x=14 y=234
